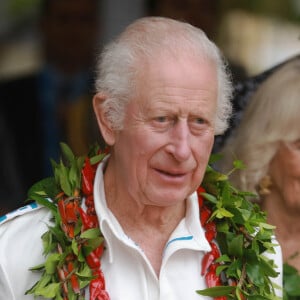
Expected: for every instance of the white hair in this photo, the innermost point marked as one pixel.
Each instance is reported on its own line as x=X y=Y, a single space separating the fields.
x=122 y=61
x=272 y=116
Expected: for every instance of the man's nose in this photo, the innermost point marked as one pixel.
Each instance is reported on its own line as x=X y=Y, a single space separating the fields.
x=180 y=140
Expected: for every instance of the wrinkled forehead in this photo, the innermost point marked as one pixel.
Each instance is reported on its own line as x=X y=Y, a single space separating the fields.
x=177 y=58
x=186 y=70
x=171 y=81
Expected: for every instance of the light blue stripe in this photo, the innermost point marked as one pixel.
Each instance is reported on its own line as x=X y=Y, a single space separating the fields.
x=184 y=238
x=29 y=206
x=33 y=205
x=19 y=211
x=2 y=218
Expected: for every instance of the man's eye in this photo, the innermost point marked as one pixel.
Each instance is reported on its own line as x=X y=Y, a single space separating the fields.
x=196 y=121
x=199 y=120
x=197 y=124
x=161 y=119
x=162 y=122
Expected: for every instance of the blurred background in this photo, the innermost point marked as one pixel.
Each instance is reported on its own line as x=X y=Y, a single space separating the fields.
x=47 y=61
x=255 y=34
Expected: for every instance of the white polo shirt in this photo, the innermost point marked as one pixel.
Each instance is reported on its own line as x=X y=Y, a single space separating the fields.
x=128 y=273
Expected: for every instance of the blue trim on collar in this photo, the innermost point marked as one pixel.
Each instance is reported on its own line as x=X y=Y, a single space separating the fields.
x=184 y=238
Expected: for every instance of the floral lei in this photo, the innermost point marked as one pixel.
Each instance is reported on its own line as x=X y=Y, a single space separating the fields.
x=236 y=229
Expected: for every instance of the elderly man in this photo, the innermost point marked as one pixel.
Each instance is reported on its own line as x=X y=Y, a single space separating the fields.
x=162 y=95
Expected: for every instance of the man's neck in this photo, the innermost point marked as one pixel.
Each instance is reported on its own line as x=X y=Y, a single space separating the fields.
x=148 y=226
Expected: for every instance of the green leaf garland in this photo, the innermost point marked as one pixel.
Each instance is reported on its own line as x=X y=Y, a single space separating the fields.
x=243 y=236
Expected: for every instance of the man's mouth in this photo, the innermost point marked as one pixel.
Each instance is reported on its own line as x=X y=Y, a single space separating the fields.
x=171 y=174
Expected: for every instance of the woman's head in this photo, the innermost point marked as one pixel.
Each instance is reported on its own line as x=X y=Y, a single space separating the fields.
x=272 y=117
x=123 y=61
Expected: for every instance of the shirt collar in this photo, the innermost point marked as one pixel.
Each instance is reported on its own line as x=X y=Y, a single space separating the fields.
x=193 y=223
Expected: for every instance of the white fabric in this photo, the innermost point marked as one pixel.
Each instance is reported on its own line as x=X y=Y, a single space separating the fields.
x=21 y=249
x=128 y=273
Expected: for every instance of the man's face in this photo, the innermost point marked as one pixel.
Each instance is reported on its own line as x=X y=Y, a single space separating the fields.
x=162 y=152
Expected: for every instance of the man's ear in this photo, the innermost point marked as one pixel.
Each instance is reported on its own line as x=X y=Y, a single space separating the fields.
x=104 y=124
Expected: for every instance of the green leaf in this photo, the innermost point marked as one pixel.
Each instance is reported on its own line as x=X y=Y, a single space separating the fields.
x=91 y=233
x=43 y=201
x=234 y=269
x=85 y=273
x=81 y=255
x=239 y=165
x=215 y=176
x=74 y=176
x=64 y=180
x=46 y=187
x=59 y=236
x=254 y=273
x=45 y=279
x=48 y=244
x=210 y=197
x=235 y=246
x=240 y=215
x=86 y=250
x=48 y=291
x=222 y=213
x=38 y=267
x=222 y=226
x=95 y=242
x=220 y=269
x=77 y=229
x=266 y=226
x=75 y=247
x=267 y=268
x=224 y=258
x=97 y=158
x=51 y=263
x=217 y=291
x=67 y=152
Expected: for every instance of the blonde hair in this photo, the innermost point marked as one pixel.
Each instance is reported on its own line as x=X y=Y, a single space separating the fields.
x=272 y=116
x=123 y=60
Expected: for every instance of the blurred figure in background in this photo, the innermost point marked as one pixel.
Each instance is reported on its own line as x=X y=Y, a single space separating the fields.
x=243 y=91
x=268 y=142
x=54 y=104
